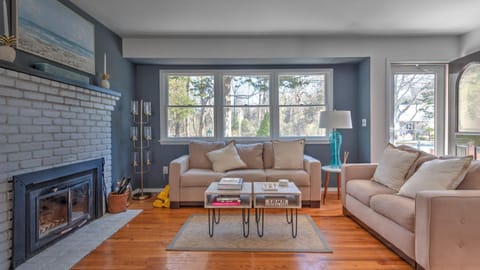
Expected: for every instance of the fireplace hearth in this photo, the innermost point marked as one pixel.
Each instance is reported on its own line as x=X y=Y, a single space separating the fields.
x=49 y=204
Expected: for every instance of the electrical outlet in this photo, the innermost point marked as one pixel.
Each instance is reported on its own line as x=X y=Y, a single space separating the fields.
x=165 y=169
x=364 y=122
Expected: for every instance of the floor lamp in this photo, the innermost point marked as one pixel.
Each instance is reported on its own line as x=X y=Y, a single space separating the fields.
x=334 y=120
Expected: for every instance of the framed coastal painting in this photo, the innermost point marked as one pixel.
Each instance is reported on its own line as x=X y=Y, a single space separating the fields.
x=51 y=30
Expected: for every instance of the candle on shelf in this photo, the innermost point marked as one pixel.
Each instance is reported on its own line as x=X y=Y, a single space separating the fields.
x=135 y=159
x=134 y=107
x=147 y=108
x=5 y=19
x=148 y=132
x=134 y=133
x=148 y=159
x=105 y=63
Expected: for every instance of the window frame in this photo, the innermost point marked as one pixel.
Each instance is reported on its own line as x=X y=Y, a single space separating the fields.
x=441 y=99
x=219 y=106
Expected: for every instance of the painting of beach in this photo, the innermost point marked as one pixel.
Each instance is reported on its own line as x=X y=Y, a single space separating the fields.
x=51 y=30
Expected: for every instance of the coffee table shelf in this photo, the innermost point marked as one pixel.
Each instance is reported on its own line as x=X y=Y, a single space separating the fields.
x=246 y=197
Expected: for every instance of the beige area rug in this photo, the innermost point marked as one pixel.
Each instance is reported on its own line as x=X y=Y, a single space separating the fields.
x=228 y=235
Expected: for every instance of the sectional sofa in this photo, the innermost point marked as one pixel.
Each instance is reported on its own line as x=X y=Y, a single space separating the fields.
x=191 y=174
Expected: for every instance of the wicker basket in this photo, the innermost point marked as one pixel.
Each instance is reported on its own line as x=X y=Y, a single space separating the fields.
x=117 y=202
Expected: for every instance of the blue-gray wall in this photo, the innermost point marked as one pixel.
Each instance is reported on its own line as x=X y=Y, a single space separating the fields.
x=351 y=91
x=121 y=80
x=363 y=142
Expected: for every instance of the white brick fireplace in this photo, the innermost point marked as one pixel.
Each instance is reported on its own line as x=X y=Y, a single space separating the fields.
x=45 y=124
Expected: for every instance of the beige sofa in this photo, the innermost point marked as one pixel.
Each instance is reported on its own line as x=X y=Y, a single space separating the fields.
x=436 y=230
x=191 y=174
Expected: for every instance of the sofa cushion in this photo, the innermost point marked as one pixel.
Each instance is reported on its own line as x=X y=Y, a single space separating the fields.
x=363 y=190
x=198 y=153
x=199 y=177
x=397 y=208
x=423 y=157
x=251 y=154
x=437 y=174
x=393 y=167
x=472 y=178
x=288 y=155
x=226 y=158
x=300 y=177
x=248 y=175
x=268 y=155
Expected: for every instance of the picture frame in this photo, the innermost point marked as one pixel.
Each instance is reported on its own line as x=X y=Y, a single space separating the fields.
x=65 y=37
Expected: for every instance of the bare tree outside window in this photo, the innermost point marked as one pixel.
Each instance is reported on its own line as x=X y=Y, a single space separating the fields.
x=469 y=99
x=414 y=110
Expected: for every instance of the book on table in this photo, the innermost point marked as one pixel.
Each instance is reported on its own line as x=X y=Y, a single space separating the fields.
x=224 y=200
x=230 y=183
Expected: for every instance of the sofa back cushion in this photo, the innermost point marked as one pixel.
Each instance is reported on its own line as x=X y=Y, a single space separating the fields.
x=251 y=154
x=472 y=178
x=268 y=155
x=198 y=153
x=423 y=157
x=288 y=155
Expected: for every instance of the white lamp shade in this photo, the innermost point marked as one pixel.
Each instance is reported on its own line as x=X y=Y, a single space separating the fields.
x=335 y=119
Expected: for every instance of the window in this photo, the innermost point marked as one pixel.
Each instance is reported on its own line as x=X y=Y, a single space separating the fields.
x=246 y=105
x=469 y=99
x=301 y=99
x=237 y=104
x=191 y=100
x=417 y=113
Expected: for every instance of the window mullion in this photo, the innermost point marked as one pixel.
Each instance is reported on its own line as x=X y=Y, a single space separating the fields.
x=219 y=103
x=274 y=106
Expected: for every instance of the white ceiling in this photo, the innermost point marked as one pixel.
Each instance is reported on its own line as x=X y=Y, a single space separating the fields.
x=149 y=18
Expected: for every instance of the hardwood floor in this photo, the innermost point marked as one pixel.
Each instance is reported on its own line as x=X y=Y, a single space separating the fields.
x=141 y=245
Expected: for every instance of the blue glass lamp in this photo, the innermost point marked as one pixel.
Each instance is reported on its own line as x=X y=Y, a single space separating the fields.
x=334 y=120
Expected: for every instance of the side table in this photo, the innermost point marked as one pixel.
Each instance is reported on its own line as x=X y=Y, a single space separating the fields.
x=328 y=170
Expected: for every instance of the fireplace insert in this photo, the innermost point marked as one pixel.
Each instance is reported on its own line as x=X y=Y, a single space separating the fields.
x=49 y=204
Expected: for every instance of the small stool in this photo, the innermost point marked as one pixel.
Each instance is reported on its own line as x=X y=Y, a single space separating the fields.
x=328 y=170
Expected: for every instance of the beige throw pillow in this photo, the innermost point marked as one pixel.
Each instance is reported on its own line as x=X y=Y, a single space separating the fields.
x=437 y=174
x=198 y=153
x=393 y=167
x=225 y=159
x=288 y=155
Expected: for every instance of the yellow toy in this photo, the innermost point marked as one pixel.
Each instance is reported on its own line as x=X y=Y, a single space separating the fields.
x=162 y=198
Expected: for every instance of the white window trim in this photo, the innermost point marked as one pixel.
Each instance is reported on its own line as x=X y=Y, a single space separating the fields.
x=218 y=107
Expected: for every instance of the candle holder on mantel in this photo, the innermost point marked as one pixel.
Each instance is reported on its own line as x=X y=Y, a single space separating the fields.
x=141 y=135
x=105 y=83
x=7 y=52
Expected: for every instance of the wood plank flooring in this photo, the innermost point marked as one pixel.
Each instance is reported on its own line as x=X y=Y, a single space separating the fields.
x=141 y=245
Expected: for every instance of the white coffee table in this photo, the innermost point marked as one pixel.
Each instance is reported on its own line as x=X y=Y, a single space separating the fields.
x=288 y=197
x=214 y=210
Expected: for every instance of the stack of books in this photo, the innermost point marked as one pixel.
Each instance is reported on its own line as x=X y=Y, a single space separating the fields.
x=276 y=202
x=224 y=200
x=230 y=183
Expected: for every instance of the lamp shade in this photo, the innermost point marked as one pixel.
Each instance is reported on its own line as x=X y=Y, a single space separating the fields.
x=335 y=119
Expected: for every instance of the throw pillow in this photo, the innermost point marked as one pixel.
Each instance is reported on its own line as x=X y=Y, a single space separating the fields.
x=198 y=153
x=393 y=167
x=225 y=159
x=251 y=154
x=437 y=174
x=423 y=157
x=288 y=155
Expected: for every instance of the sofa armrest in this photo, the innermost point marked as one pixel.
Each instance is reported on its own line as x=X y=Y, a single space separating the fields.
x=177 y=167
x=447 y=229
x=312 y=167
x=355 y=171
